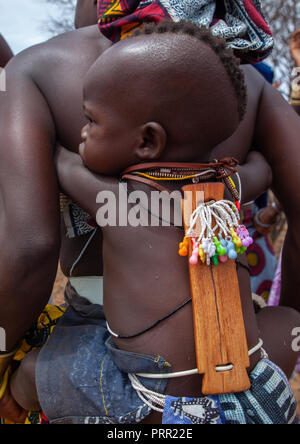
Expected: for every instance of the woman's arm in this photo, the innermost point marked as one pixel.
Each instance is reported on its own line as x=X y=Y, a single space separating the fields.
x=29 y=208
x=277 y=135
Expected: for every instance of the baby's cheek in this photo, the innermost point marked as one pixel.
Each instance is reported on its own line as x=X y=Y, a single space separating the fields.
x=94 y=158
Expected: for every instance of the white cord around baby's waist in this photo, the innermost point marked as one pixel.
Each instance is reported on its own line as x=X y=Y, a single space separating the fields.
x=156 y=401
x=218 y=368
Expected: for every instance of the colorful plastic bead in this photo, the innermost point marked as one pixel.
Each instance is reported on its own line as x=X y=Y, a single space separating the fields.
x=215 y=260
x=195 y=253
x=231 y=252
x=202 y=254
x=235 y=239
x=221 y=251
x=184 y=247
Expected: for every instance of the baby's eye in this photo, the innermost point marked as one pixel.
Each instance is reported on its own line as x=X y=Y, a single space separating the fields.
x=90 y=120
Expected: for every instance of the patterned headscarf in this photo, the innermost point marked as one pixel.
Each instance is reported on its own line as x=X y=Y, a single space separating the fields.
x=239 y=22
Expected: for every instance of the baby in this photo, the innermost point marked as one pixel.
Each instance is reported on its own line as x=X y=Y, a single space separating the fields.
x=171 y=93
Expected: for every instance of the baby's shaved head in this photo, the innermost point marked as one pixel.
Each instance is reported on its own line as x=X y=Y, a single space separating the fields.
x=218 y=45
x=175 y=74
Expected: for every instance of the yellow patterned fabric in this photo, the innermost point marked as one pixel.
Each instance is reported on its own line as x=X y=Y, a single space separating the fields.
x=35 y=339
x=41 y=330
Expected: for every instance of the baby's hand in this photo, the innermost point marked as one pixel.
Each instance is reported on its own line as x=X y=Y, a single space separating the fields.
x=64 y=161
x=63 y=156
x=256 y=176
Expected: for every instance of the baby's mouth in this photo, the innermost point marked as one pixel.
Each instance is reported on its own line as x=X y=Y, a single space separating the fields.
x=81 y=150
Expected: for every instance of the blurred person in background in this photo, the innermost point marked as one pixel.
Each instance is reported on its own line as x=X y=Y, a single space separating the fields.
x=295 y=86
x=5 y=52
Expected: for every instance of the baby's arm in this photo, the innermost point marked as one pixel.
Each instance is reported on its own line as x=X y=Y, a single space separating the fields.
x=20 y=394
x=9 y=408
x=22 y=383
x=256 y=176
x=83 y=186
x=79 y=183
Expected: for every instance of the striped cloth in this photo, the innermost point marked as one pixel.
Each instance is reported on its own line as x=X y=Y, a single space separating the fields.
x=240 y=22
x=269 y=401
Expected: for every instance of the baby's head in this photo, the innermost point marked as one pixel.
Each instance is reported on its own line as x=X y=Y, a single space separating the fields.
x=171 y=92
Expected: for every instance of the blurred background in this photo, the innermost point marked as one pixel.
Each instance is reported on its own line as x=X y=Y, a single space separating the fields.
x=24 y=23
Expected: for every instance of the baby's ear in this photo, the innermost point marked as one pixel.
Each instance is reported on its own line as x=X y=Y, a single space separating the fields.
x=152 y=143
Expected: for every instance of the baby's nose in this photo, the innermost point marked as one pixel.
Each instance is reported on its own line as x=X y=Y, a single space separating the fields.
x=84 y=133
